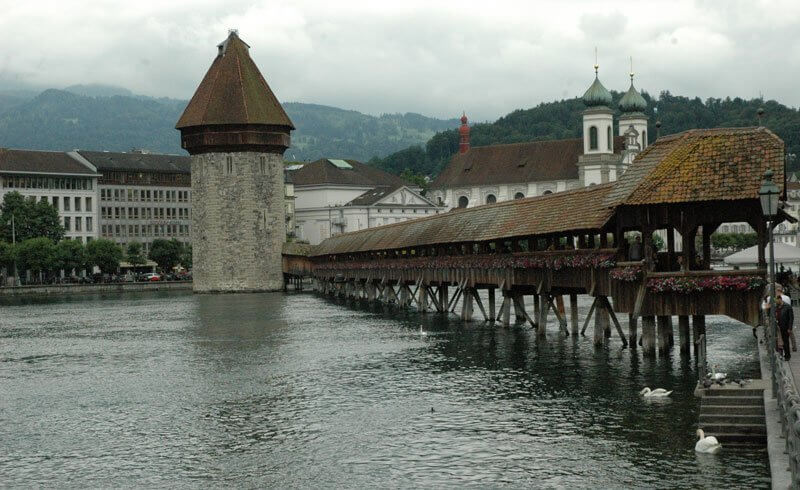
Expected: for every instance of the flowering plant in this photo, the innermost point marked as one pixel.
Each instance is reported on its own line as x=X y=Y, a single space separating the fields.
x=628 y=274
x=688 y=285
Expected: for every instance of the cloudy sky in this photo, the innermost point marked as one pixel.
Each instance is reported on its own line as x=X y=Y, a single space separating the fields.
x=433 y=57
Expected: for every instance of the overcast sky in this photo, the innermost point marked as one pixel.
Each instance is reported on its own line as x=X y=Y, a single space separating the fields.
x=431 y=57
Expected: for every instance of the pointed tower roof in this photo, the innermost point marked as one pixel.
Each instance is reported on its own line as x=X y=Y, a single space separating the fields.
x=233 y=92
x=632 y=101
x=596 y=94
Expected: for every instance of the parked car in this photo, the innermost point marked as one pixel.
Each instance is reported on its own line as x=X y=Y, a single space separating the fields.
x=152 y=277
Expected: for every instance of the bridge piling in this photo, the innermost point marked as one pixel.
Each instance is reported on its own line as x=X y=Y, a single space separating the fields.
x=443 y=300
x=600 y=323
x=536 y=307
x=519 y=308
x=698 y=329
x=633 y=326
x=505 y=310
x=573 y=313
x=663 y=333
x=541 y=322
x=649 y=336
x=490 y=292
x=683 y=333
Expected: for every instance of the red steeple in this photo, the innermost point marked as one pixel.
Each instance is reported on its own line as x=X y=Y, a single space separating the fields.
x=463 y=132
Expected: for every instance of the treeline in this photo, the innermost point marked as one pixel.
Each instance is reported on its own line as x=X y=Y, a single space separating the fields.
x=33 y=239
x=562 y=120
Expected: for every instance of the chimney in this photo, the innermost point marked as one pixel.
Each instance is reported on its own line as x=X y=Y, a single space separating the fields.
x=463 y=132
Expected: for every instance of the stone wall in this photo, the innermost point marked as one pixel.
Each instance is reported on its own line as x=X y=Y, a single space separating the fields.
x=238 y=222
x=54 y=289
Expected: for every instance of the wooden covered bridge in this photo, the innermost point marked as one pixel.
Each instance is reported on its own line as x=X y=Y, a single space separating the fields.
x=581 y=242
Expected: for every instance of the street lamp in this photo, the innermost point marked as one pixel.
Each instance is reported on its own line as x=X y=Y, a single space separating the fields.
x=768 y=194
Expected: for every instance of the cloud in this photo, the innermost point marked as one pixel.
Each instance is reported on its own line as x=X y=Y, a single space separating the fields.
x=420 y=56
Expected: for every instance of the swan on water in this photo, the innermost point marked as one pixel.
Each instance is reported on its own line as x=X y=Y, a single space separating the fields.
x=422 y=332
x=707 y=444
x=657 y=393
x=715 y=376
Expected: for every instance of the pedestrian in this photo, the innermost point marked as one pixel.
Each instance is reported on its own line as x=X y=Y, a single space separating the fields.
x=635 y=249
x=779 y=293
x=785 y=318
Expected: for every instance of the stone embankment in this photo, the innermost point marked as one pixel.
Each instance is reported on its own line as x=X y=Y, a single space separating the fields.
x=54 y=289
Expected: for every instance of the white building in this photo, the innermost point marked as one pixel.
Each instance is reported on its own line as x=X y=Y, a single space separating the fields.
x=488 y=174
x=337 y=196
x=65 y=180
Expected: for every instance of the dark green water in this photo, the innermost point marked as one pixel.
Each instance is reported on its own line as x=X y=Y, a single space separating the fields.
x=273 y=390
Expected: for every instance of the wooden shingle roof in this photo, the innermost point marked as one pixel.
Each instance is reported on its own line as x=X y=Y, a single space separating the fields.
x=44 y=162
x=552 y=213
x=233 y=92
x=701 y=165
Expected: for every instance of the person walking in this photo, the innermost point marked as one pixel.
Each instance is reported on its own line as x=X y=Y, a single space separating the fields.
x=784 y=315
x=779 y=293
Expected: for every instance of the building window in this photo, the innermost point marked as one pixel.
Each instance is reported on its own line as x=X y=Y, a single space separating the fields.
x=463 y=201
x=67 y=225
x=593 y=138
x=547 y=192
x=77 y=204
x=78 y=223
x=229 y=165
x=519 y=195
x=491 y=199
x=55 y=202
x=66 y=203
x=608 y=137
x=89 y=223
x=88 y=204
x=644 y=139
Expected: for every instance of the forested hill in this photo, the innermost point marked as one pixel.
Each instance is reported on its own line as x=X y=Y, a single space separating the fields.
x=111 y=118
x=562 y=119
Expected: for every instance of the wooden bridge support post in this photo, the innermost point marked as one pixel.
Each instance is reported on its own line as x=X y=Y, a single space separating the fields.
x=505 y=309
x=467 y=304
x=683 y=333
x=633 y=327
x=443 y=297
x=649 y=335
x=541 y=320
x=405 y=297
x=519 y=307
x=536 y=313
x=422 y=298
x=663 y=333
x=573 y=313
x=698 y=329
x=670 y=332
x=492 y=312
x=601 y=323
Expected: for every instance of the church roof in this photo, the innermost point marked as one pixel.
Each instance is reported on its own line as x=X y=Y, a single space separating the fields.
x=323 y=171
x=632 y=101
x=535 y=161
x=233 y=92
x=701 y=165
x=597 y=95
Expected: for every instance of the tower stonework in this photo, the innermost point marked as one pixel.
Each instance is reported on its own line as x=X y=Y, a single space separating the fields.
x=236 y=132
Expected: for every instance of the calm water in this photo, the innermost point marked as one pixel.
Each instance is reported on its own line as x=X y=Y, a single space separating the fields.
x=166 y=389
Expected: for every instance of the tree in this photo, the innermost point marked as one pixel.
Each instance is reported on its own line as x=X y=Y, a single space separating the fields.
x=134 y=254
x=7 y=255
x=32 y=219
x=105 y=254
x=166 y=253
x=658 y=242
x=37 y=255
x=186 y=256
x=70 y=255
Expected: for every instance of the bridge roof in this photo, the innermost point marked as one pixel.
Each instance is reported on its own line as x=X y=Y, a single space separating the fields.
x=553 y=213
x=701 y=165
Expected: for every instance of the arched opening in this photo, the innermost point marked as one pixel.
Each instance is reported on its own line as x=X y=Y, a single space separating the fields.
x=546 y=193
x=608 y=137
x=519 y=195
x=463 y=201
x=593 y=138
x=491 y=199
x=439 y=201
x=644 y=139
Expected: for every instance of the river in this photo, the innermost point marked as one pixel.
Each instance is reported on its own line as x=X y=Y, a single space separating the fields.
x=295 y=390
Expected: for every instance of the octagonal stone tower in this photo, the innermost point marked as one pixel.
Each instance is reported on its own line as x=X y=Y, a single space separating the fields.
x=236 y=132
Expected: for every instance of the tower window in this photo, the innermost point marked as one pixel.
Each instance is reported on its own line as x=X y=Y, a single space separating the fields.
x=229 y=165
x=463 y=202
x=644 y=139
x=608 y=136
x=593 y=138
x=263 y=162
x=519 y=195
x=491 y=199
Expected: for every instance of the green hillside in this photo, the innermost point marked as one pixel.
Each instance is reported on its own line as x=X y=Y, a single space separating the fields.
x=100 y=117
x=562 y=119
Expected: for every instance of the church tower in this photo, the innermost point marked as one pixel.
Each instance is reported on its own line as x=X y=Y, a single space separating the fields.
x=463 y=135
x=236 y=131
x=597 y=164
x=632 y=106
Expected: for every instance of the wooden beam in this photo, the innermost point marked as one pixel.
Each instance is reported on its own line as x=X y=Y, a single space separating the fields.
x=480 y=303
x=562 y=323
x=614 y=320
x=589 y=316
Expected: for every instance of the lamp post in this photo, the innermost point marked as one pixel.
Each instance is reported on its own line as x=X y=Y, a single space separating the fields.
x=768 y=194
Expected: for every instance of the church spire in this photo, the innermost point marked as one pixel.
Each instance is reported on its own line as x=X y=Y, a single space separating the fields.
x=463 y=133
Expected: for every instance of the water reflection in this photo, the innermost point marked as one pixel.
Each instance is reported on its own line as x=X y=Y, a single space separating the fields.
x=293 y=390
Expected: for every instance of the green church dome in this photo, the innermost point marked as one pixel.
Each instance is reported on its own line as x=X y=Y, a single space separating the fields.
x=632 y=101
x=597 y=95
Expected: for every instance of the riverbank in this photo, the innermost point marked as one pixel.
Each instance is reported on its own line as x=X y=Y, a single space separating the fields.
x=776 y=443
x=59 y=289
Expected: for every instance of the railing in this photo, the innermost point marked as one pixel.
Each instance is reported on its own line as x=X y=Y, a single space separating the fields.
x=702 y=367
x=788 y=400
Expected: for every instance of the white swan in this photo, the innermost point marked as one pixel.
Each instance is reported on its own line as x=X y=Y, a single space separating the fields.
x=422 y=332
x=715 y=376
x=657 y=393
x=707 y=444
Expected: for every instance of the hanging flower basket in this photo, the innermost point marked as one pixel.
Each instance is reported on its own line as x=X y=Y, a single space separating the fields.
x=688 y=285
x=630 y=273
